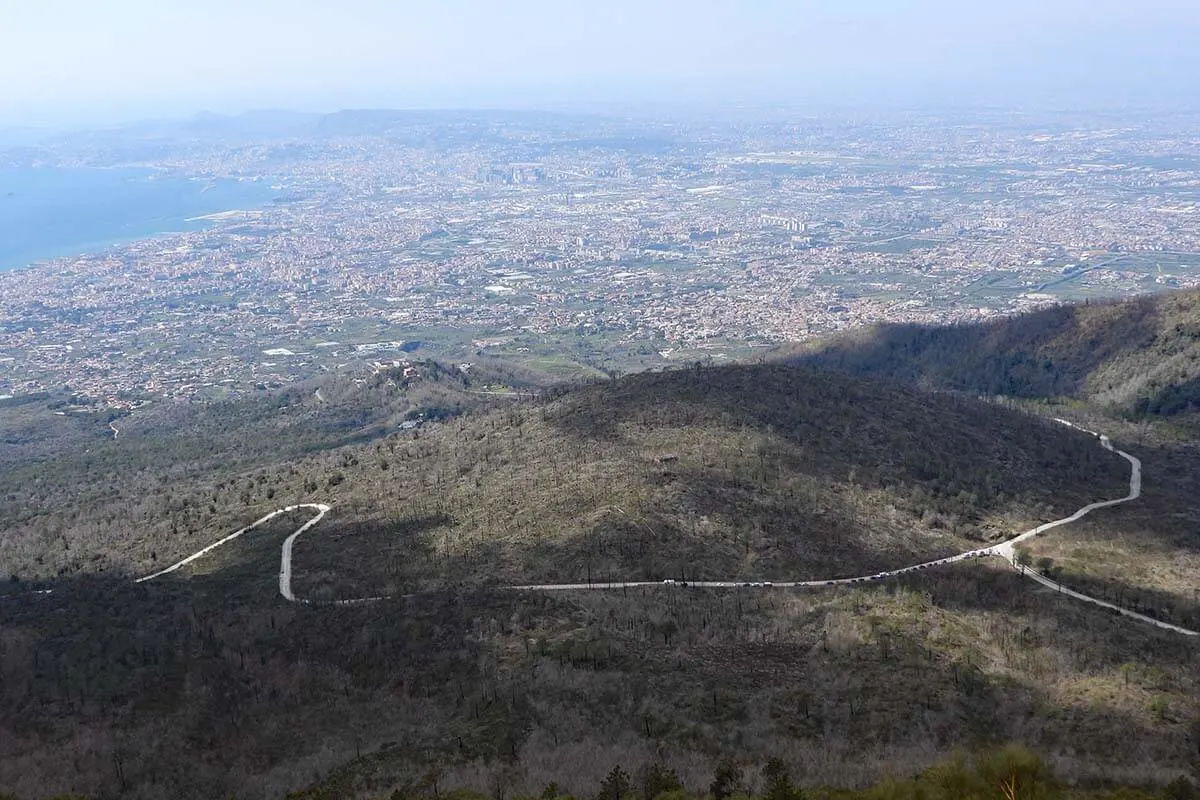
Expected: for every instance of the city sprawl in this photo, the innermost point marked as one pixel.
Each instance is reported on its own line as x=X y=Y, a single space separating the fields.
x=573 y=244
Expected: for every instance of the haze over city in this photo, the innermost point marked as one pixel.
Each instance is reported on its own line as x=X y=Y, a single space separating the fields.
x=80 y=61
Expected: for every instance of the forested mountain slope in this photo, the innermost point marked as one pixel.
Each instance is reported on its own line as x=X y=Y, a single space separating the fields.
x=1133 y=357
x=765 y=470
x=80 y=486
x=206 y=683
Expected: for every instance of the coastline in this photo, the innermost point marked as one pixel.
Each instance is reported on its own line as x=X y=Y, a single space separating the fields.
x=65 y=214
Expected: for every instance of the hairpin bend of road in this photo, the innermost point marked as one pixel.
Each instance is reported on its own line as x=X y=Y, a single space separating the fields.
x=1005 y=550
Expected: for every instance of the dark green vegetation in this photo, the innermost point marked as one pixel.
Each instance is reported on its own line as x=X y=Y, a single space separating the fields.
x=1134 y=357
x=206 y=683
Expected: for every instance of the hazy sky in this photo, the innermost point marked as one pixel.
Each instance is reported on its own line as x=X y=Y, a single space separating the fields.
x=119 y=58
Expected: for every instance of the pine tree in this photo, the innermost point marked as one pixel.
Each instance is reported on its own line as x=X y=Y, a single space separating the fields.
x=615 y=787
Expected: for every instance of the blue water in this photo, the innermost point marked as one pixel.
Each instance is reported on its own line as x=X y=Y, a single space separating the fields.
x=46 y=213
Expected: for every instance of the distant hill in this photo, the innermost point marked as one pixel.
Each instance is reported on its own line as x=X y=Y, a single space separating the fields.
x=1139 y=356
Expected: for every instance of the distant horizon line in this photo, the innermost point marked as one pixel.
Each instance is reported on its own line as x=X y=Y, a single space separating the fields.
x=660 y=108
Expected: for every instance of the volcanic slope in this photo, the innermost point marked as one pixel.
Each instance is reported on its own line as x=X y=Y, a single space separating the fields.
x=1138 y=356
x=1131 y=368
x=88 y=492
x=764 y=471
x=205 y=683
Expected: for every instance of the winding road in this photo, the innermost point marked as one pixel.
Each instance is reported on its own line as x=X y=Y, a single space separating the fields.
x=285 y=558
x=1005 y=550
x=285 y=566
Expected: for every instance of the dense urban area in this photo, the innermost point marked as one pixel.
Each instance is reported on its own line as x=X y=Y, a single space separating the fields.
x=571 y=244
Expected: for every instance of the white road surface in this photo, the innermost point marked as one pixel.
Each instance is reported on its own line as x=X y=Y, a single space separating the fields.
x=285 y=570
x=1005 y=550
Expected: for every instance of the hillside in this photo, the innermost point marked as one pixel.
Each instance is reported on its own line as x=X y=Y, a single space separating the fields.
x=754 y=470
x=206 y=683
x=1139 y=356
x=741 y=472
x=82 y=485
x=1132 y=368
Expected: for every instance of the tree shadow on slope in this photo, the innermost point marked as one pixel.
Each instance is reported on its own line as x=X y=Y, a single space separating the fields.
x=370 y=559
x=1089 y=636
x=614 y=547
x=357 y=558
x=720 y=529
x=1158 y=604
x=876 y=435
x=200 y=695
x=1173 y=400
x=215 y=695
x=1139 y=537
x=1046 y=353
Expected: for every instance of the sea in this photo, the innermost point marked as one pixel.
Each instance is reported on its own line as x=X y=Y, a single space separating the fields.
x=46 y=213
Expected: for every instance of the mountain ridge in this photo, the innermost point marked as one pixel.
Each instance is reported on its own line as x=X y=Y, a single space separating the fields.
x=1130 y=357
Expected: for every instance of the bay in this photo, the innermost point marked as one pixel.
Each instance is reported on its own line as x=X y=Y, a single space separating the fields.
x=50 y=212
